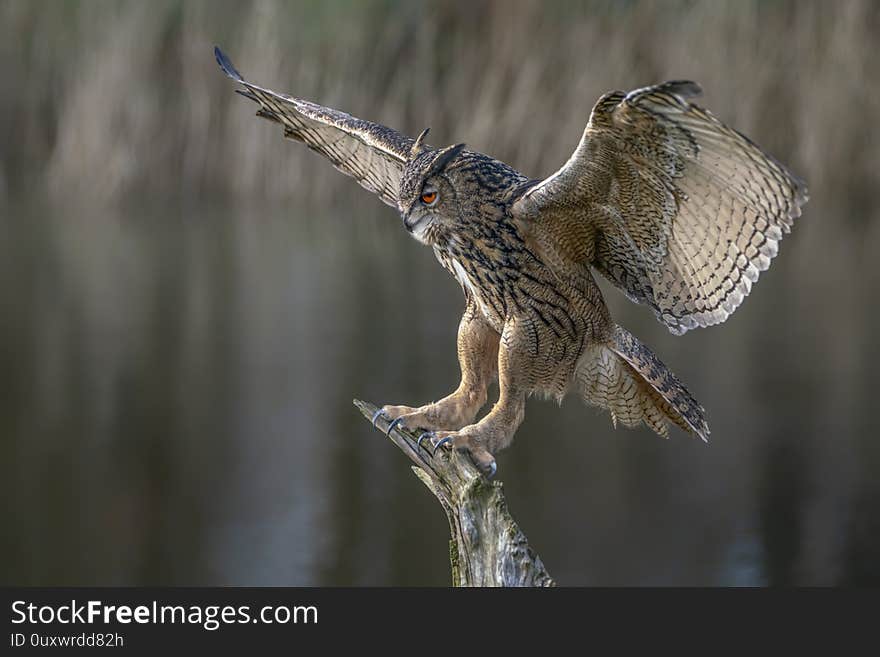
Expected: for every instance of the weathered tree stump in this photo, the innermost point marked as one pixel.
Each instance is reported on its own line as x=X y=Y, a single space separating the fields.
x=487 y=547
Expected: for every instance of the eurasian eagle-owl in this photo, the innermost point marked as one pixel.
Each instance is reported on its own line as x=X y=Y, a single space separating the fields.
x=676 y=209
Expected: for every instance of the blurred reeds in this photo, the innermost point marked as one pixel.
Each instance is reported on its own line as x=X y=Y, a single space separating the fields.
x=106 y=98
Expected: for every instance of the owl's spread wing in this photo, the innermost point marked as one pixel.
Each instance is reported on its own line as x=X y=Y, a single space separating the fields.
x=675 y=208
x=372 y=154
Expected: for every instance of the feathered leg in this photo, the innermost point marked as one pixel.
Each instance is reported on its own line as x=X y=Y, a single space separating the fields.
x=496 y=429
x=478 y=357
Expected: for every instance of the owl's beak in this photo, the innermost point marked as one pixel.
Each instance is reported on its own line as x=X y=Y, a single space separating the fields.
x=416 y=224
x=410 y=222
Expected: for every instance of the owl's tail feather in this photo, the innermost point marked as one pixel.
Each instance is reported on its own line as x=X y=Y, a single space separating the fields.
x=625 y=377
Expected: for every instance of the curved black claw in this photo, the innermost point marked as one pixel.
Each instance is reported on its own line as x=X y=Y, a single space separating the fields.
x=392 y=425
x=494 y=467
x=442 y=442
x=426 y=434
x=377 y=415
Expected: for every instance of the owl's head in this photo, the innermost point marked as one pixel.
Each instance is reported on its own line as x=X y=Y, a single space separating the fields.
x=427 y=197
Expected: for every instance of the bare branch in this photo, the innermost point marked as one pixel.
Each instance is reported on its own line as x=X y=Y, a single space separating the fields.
x=487 y=547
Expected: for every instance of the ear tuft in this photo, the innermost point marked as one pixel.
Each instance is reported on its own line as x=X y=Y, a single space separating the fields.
x=419 y=144
x=444 y=157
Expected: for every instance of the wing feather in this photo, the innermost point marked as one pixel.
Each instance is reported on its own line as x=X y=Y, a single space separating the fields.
x=676 y=209
x=372 y=154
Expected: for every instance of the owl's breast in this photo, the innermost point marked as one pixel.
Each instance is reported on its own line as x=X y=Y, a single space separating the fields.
x=478 y=286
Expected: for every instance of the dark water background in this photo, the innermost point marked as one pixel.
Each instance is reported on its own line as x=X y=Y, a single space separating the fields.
x=176 y=409
x=188 y=304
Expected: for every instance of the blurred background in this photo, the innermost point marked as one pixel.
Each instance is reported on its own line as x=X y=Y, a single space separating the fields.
x=189 y=303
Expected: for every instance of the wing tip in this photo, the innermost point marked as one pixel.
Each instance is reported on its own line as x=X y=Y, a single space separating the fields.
x=801 y=192
x=227 y=65
x=702 y=430
x=683 y=88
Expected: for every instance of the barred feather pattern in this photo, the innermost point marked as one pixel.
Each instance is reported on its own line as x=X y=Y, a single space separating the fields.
x=676 y=209
x=626 y=378
x=373 y=154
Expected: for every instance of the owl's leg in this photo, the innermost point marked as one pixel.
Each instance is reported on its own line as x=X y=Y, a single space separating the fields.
x=495 y=431
x=478 y=357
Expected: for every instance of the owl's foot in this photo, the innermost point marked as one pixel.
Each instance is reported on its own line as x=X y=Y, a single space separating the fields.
x=460 y=441
x=435 y=434
x=452 y=412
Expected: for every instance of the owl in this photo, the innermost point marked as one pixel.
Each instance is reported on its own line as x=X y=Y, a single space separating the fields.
x=677 y=210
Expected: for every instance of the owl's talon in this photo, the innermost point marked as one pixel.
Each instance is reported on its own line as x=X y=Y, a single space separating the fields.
x=442 y=442
x=377 y=415
x=426 y=434
x=394 y=424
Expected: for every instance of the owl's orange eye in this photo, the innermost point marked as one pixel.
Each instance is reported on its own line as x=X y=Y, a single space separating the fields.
x=429 y=197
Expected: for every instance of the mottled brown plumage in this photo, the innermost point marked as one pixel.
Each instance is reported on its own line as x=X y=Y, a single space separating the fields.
x=677 y=210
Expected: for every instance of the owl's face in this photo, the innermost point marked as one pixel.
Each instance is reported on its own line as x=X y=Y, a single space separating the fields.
x=427 y=200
